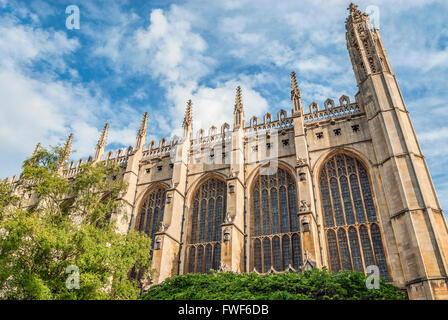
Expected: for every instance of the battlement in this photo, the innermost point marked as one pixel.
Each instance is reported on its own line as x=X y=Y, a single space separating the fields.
x=268 y=124
x=331 y=112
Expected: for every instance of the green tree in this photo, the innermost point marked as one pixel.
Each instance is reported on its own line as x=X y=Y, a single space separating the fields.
x=308 y=285
x=48 y=223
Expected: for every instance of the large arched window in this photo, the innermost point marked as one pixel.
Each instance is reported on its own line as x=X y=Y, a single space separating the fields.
x=151 y=213
x=351 y=222
x=204 y=237
x=275 y=233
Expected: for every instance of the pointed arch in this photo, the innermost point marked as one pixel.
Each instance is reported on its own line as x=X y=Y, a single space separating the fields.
x=150 y=213
x=349 y=214
x=208 y=206
x=273 y=222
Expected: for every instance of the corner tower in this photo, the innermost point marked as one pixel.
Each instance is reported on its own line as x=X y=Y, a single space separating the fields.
x=414 y=226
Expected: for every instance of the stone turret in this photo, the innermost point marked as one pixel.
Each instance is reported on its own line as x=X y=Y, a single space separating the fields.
x=101 y=145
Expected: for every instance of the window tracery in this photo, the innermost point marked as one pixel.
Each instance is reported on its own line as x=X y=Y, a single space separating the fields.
x=204 y=237
x=275 y=232
x=350 y=219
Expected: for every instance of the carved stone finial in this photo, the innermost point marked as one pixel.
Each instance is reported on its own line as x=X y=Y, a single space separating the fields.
x=352 y=7
x=295 y=96
x=304 y=206
x=228 y=218
x=188 y=118
x=101 y=145
x=301 y=162
x=239 y=109
x=36 y=150
x=141 y=135
x=63 y=158
x=295 y=92
x=238 y=99
x=162 y=227
x=103 y=137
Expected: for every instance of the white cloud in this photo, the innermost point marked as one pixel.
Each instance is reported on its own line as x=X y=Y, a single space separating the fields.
x=37 y=106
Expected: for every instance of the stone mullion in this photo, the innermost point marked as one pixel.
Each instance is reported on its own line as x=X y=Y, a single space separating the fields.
x=347 y=236
x=361 y=191
x=355 y=215
x=368 y=225
x=271 y=228
x=331 y=197
x=206 y=220
x=341 y=199
x=215 y=207
x=361 y=250
x=287 y=205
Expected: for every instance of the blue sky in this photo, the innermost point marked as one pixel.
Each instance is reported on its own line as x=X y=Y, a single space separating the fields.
x=129 y=57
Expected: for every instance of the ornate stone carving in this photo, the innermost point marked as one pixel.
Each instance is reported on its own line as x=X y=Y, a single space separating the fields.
x=228 y=218
x=162 y=227
x=157 y=243
x=227 y=234
x=223 y=267
x=304 y=206
x=305 y=224
x=301 y=162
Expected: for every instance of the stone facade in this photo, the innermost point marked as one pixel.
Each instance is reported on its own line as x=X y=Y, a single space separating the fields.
x=343 y=185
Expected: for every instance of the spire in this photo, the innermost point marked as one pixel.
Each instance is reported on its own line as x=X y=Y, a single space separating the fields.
x=36 y=150
x=353 y=8
x=239 y=109
x=188 y=118
x=65 y=153
x=103 y=137
x=238 y=99
x=295 y=95
x=141 y=136
x=101 y=145
x=294 y=87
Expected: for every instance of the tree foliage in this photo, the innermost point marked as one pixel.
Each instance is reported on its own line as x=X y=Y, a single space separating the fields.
x=48 y=223
x=308 y=285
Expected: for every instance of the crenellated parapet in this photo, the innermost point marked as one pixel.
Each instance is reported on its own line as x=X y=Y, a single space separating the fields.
x=330 y=112
x=269 y=123
x=121 y=156
x=163 y=149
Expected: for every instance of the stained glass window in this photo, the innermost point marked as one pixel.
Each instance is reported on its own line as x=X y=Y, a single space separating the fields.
x=191 y=257
x=208 y=258
x=286 y=251
x=283 y=210
x=266 y=220
x=274 y=196
x=266 y=255
x=151 y=213
x=333 y=251
x=296 y=251
x=354 y=246
x=346 y=193
x=277 y=253
x=209 y=203
x=326 y=203
x=257 y=255
x=379 y=252
x=343 y=249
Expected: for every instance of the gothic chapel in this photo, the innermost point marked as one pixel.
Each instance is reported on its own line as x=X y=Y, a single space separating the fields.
x=343 y=185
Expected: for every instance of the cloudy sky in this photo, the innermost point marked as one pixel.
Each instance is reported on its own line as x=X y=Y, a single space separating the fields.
x=129 y=57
